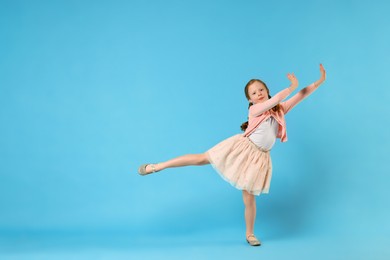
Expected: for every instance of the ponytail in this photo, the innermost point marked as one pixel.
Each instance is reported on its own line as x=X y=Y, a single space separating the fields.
x=244 y=125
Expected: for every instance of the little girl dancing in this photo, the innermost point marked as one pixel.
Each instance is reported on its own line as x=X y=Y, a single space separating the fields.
x=244 y=160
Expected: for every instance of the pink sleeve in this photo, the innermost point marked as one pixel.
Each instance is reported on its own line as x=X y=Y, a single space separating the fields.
x=294 y=100
x=260 y=108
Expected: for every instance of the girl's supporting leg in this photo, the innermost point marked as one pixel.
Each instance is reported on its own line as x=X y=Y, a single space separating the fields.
x=185 y=160
x=250 y=212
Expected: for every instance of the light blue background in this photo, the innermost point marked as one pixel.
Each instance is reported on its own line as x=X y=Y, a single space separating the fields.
x=89 y=90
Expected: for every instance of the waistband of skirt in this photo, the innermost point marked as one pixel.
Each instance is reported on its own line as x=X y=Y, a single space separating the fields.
x=255 y=146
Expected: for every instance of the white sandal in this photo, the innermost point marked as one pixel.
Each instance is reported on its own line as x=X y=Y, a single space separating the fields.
x=254 y=241
x=142 y=169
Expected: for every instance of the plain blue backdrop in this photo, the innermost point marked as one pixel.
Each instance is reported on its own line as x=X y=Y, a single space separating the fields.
x=89 y=90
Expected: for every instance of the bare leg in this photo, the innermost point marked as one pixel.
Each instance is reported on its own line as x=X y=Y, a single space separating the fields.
x=185 y=160
x=250 y=212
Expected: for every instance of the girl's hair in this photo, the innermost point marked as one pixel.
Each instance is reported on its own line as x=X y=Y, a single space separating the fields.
x=276 y=108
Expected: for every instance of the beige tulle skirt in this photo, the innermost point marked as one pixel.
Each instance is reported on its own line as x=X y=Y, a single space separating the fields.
x=241 y=163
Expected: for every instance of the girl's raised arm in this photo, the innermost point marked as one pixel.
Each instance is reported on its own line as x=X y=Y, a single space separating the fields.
x=258 y=109
x=294 y=100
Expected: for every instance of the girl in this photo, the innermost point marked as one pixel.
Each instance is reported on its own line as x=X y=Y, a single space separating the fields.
x=244 y=160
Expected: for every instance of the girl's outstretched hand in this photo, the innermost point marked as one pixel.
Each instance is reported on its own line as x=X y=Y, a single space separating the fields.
x=323 y=75
x=293 y=80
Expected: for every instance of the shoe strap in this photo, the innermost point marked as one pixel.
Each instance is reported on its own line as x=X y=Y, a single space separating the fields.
x=251 y=235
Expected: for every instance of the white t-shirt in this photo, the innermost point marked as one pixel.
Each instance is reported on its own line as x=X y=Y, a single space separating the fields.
x=265 y=134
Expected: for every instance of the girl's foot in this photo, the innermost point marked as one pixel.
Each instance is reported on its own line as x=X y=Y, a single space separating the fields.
x=252 y=240
x=146 y=169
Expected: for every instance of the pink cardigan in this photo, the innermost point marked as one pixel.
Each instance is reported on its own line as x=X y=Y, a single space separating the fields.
x=262 y=111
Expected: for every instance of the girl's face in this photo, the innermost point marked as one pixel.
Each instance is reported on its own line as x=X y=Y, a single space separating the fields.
x=257 y=93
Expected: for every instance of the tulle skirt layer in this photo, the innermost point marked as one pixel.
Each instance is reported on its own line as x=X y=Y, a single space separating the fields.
x=241 y=163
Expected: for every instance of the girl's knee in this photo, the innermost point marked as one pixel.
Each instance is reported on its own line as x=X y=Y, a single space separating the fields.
x=203 y=159
x=248 y=198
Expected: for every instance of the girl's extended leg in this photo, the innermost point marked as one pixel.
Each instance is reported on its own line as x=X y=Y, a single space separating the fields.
x=185 y=160
x=250 y=212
